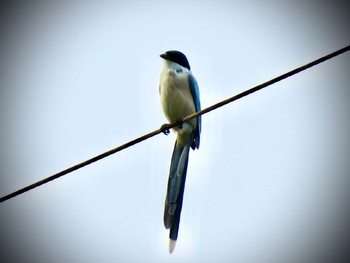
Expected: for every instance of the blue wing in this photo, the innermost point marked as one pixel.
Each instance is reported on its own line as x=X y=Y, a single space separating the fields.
x=195 y=95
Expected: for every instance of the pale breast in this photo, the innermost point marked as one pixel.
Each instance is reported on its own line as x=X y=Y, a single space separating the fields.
x=176 y=97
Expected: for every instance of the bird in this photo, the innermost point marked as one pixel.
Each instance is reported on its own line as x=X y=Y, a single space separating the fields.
x=179 y=97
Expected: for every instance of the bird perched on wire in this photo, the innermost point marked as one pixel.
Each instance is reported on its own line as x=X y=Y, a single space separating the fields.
x=179 y=96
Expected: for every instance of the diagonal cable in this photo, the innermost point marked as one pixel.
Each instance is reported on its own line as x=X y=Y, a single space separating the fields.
x=165 y=128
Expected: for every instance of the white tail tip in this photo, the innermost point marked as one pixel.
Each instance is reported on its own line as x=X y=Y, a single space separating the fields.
x=172 y=244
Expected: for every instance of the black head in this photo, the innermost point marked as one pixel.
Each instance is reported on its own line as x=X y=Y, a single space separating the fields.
x=177 y=57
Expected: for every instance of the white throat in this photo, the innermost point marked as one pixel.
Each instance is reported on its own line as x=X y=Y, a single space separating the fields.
x=174 y=68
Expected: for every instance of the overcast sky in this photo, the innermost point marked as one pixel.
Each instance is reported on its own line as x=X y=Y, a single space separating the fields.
x=270 y=180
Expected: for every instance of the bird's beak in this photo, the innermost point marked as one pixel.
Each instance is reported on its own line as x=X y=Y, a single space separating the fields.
x=165 y=56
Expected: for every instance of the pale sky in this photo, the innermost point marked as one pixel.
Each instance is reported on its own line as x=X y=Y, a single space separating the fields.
x=270 y=180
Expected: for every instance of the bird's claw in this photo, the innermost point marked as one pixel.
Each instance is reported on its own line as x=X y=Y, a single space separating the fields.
x=179 y=123
x=164 y=129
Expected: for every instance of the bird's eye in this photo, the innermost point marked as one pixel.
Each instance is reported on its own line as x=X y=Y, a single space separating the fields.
x=179 y=70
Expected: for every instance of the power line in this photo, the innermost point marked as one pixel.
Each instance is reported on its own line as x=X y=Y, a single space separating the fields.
x=166 y=127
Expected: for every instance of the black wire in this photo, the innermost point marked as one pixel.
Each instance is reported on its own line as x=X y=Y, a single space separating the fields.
x=165 y=128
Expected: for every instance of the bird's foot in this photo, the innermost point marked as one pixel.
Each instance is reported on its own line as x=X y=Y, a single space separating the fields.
x=164 y=128
x=179 y=123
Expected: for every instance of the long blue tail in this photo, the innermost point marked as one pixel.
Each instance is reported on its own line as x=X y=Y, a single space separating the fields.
x=176 y=187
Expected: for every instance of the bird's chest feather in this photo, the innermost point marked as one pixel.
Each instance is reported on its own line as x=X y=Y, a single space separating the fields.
x=176 y=97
